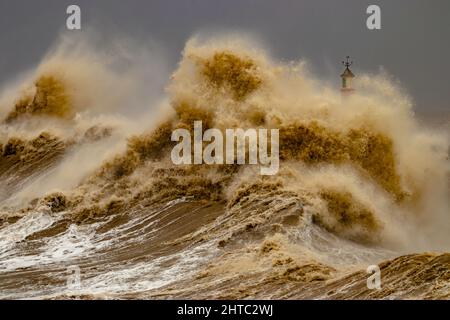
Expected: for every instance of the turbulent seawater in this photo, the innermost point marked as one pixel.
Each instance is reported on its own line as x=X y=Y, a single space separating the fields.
x=87 y=182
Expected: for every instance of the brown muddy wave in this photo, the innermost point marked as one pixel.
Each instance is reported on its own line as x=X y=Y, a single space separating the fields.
x=361 y=182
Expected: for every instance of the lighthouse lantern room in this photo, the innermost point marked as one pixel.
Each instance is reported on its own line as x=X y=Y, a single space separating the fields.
x=347 y=77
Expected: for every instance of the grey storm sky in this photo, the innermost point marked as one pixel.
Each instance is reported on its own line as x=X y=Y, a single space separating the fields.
x=413 y=44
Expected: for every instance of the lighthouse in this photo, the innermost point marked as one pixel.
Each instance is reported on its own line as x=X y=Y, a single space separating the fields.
x=347 y=77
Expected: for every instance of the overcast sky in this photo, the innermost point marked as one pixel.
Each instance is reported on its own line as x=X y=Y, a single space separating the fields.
x=413 y=44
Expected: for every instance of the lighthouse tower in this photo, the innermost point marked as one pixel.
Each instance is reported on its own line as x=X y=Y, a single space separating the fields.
x=347 y=77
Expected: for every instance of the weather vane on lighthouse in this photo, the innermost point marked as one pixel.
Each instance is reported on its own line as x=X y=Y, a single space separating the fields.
x=347 y=77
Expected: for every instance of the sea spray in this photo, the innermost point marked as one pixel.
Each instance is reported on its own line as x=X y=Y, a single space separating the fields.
x=235 y=140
